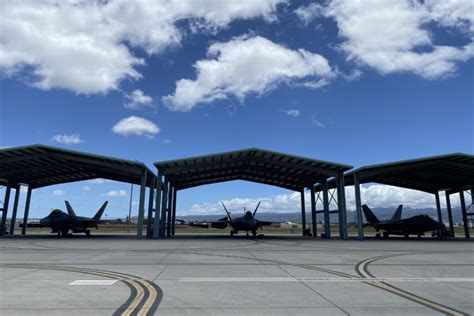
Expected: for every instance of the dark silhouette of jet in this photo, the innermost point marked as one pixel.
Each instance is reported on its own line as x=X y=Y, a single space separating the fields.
x=415 y=225
x=247 y=223
x=61 y=223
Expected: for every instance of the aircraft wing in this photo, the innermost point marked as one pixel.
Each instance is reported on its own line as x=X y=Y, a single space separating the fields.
x=264 y=223
x=221 y=223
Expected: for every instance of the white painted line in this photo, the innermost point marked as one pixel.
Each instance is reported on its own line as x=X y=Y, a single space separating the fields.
x=374 y=280
x=93 y=282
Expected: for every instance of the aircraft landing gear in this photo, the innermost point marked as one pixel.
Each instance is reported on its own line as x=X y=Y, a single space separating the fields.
x=406 y=236
x=254 y=233
x=88 y=232
x=385 y=235
x=247 y=234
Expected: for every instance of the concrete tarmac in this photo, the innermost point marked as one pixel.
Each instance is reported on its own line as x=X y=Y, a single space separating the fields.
x=219 y=275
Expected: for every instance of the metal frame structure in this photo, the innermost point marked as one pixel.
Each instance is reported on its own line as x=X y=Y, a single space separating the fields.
x=39 y=166
x=253 y=164
x=452 y=173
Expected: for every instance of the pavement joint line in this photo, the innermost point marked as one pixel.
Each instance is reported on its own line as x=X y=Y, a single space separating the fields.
x=313 y=279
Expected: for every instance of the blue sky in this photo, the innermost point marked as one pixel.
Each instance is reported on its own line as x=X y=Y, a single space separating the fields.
x=356 y=84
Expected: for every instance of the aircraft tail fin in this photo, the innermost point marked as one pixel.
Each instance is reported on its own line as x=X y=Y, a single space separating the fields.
x=254 y=212
x=70 y=210
x=101 y=210
x=228 y=214
x=369 y=216
x=398 y=213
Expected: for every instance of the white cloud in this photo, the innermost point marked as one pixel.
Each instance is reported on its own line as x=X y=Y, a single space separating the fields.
x=116 y=193
x=138 y=100
x=394 y=36
x=375 y=196
x=243 y=66
x=317 y=122
x=59 y=192
x=293 y=112
x=86 y=46
x=98 y=181
x=86 y=188
x=134 y=125
x=67 y=139
x=308 y=13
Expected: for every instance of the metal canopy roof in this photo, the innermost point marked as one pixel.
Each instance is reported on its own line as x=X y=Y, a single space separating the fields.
x=430 y=174
x=253 y=164
x=40 y=166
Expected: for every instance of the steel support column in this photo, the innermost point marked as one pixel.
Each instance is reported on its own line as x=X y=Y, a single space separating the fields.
x=149 y=222
x=327 y=218
x=303 y=214
x=360 y=225
x=164 y=203
x=156 y=223
x=173 y=213
x=170 y=205
x=341 y=205
x=313 y=212
x=450 y=214
x=464 y=215
x=6 y=201
x=141 y=205
x=27 y=211
x=438 y=208
x=15 y=210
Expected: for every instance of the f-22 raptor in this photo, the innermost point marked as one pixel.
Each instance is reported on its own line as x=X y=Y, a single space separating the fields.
x=247 y=223
x=61 y=223
x=415 y=225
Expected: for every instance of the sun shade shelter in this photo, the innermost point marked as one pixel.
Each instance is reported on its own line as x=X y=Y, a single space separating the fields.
x=39 y=166
x=255 y=165
x=452 y=173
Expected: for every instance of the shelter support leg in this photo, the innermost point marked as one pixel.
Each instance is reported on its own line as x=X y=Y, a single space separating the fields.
x=170 y=205
x=341 y=205
x=141 y=206
x=327 y=218
x=15 y=210
x=164 y=203
x=450 y=214
x=464 y=215
x=438 y=208
x=303 y=214
x=360 y=226
x=313 y=212
x=156 y=223
x=27 y=211
x=173 y=213
x=6 y=201
x=149 y=222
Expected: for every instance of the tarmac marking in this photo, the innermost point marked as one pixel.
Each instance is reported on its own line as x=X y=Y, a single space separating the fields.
x=320 y=279
x=93 y=282
x=145 y=296
x=362 y=270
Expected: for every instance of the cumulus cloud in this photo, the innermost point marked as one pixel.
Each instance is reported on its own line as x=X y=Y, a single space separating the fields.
x=59 y=192
x=116 y=193
x=98 y=181
x=308 y=13
x=374 y=195
x=134 y=125
x=394 y=36
x=138 y=100
x=242 y=66
x=293 y=112
x=86 y=46
x=86 y=188
x=67 y=139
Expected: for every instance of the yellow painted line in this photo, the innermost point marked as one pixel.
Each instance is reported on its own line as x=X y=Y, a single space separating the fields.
x=361 y=269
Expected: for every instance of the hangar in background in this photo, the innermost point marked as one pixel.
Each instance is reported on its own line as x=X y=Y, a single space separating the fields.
x=39 y=166
x=253 y=164
x=452 y=173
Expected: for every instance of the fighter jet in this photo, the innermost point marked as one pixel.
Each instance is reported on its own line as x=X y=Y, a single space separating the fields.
x=61 y=223
x=415 y=225
x=247 y=223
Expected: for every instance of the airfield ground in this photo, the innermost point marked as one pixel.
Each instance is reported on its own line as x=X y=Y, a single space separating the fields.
x=219 y=275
